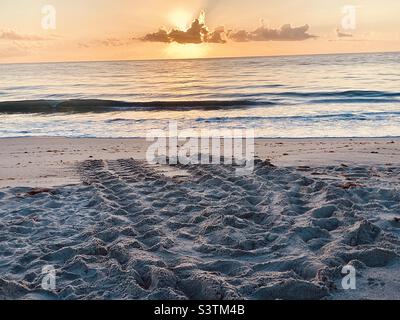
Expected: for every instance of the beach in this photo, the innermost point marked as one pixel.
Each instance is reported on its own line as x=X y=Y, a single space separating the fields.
x=211 y=156
x=116 y=227
x=51 y=161
x=91 y=209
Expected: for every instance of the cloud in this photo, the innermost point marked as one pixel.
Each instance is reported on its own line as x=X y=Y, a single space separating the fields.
x=160 y=36
x=113 y=42
x=285 y=33
x=108 y=42
x=239 y=36
x=14 y=36
x=218 y=36
x=12 y=51
x=340 y=34
x=197 y=33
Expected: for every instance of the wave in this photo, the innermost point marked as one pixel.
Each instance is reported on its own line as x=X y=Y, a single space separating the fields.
x=340 y=94
x=97 y=105
x=344 y=97
x=236 y=101
x=328 y=117
x=354 y=100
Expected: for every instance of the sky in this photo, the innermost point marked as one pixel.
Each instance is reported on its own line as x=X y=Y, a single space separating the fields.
x=74 y=30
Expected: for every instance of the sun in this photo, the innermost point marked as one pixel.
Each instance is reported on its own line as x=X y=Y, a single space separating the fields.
x=180 y=19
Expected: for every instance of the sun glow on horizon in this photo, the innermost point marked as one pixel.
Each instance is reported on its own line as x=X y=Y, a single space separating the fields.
x=187 y=51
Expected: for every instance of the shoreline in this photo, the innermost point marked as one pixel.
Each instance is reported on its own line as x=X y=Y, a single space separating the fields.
x=51 y=161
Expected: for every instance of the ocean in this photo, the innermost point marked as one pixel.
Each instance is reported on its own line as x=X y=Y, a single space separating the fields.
x=354 y=95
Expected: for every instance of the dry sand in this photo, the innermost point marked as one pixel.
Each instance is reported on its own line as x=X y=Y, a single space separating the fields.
x=116 y=227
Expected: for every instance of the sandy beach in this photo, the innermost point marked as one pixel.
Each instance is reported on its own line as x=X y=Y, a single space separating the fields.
x=48 y=162
x=116 y=227
x=200 y=150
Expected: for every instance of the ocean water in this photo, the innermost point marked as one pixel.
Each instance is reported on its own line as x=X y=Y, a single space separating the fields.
x=355 y=95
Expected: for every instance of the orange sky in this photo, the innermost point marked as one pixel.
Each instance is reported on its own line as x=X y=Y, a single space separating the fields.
x=112 y=29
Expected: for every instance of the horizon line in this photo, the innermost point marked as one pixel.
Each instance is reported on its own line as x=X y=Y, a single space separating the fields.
x=203 y=58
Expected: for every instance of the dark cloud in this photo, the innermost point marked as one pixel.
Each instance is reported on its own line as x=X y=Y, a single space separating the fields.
x=340 y=34
x=14 y=36
x=285 y=33
x=160 y=36
x=197 y=33
x=218 y=36
x=239 y=36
